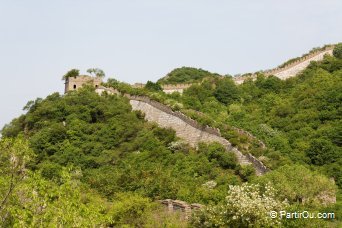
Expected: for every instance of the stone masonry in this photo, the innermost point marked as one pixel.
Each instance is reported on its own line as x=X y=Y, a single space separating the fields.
x=300 y=66
x=291 y=69
x=180 y=206
x=189 y=130
x=74 y=83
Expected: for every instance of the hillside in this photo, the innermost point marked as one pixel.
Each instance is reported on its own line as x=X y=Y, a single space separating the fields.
x=82 y=160
x=115 y=151
x=294 y=118
x=186 y=75
x=298 y=119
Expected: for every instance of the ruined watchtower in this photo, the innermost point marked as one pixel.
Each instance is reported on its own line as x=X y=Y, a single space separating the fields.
x=74 y=83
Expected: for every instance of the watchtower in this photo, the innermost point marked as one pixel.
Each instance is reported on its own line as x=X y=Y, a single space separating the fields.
x=74 y=83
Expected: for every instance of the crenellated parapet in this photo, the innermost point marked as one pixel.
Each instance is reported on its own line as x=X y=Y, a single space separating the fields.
x=188 y=129
x=185 y=127
x=249 y=135
x=167 y=88
x=314 y=56
x=180 y=115
x=290 y=69
x=257 y=163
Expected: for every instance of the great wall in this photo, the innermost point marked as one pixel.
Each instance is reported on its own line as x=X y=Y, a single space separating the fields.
x=291 y=69
x=284 y=72
x=190 y=130
x=186 y=128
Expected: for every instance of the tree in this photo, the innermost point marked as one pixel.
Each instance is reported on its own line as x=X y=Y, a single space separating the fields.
x=153 y=86
x=322 y=151
x=186 y=75
x=337 y=52
x=97 y=72
x=300 y=185
x=14 y=155
x=245 y=206
x=71 y=73
x=226 y=91
x=130 y=209
x=216 y=152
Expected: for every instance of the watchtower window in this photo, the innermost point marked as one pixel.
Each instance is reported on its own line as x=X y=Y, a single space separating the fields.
x=74 y=86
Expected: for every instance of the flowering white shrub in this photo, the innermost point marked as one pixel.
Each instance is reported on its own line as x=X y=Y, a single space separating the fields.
x=244 y=206
x=210 y=184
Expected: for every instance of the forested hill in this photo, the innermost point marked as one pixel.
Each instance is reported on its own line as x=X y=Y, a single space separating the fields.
x=186 y=75
x=84 y=160
x=299 y=119
x=116 y=161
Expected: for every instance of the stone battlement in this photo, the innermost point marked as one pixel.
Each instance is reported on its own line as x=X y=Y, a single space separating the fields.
x=167 y=88
x=178 y=114
x=189 y=129
x=327 y=50
x=291 y=69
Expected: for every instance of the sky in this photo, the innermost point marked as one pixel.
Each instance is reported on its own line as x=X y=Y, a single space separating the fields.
x=140 y=40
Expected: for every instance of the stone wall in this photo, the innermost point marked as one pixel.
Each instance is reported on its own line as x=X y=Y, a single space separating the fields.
x=101 y=89
x=181 y=206
x=250 y=136
x=167 y=88
x=188 y=129
x=175 y=88
x=291 y=69
x=294 y=68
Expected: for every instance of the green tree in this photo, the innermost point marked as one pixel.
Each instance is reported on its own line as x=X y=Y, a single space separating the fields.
x=322 y=151
x=300 y=185
x=186 y=75
x=245 y=206
x=71 y=73
x=226 y=91
x=153 y=86
x=130 y=210
x=14 y=156
x=97 y=72
x=216 y=152
x=337 y=52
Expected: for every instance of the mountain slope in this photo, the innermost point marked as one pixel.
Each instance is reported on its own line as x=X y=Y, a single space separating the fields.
x=186 y=75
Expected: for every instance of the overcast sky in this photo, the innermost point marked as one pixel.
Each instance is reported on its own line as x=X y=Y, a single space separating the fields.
x=140 y=40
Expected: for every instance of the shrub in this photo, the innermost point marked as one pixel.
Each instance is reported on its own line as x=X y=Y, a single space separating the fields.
x=71 y=73
x=338 y=51
x=245 y=206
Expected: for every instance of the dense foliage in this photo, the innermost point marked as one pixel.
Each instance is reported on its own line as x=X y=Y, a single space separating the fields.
x=114 y=150
x=153 y=86
x=244 y=206
x=298 y=119
x=71 y=73
x=84 y=160
x=96 y=72
x=186 y=75
x=338 y=51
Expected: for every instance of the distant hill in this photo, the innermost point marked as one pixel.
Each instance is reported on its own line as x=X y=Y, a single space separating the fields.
x=186 y=75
